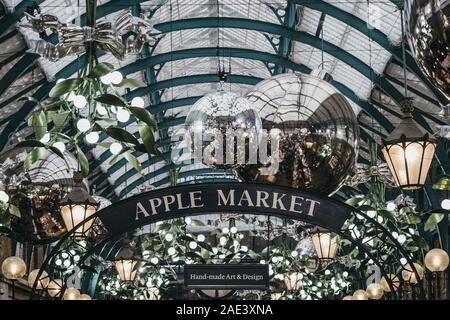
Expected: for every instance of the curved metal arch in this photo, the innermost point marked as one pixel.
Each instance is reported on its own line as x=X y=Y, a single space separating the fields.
x=359 y=219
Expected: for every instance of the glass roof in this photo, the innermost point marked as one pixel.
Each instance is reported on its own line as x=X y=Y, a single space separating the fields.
x=356 y=41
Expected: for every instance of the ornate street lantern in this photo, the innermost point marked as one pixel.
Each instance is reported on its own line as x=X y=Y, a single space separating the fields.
x=13 y=268
x=409 y=150
x=125 y=262
x=77 y=206
x=324 y=243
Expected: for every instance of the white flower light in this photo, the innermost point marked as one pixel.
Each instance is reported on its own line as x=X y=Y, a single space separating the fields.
x=371 y=213
x=154 y=260
x=122 y=115
x=345 y=274
x=45 y=138
x=138 y=102
x=79 y=101
x=200 y=238
x=168 y=237
x=106 y=79
x=70 y=96
x=192 y=245
x=116 y=77
x=391 y=206
x=401 y=239
x=92 y=137
x=225 y=230
x=60 y=146
x=4 y=197
x=171 y=251
x=101 y=110
x=294 y=254
x=244 y=248
x=223 y=241
x=233 y=229
x=188 y=220
x=83 y=125
x=403 y=261
x=115 y=148
x=445 y=204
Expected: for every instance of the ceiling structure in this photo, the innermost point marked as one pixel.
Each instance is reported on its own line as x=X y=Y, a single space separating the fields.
x=357 y=41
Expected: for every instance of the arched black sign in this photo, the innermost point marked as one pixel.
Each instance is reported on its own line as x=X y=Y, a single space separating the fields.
x=185 y=200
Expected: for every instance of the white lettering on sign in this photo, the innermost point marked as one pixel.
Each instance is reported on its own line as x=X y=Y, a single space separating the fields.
x=230 y=198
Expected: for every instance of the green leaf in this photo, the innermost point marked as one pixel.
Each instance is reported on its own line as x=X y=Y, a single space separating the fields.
x=133 y=161
x=386 y=214
x=131 y=84
x=121 y=135
x=32 y=99
x=101 y=69
x=64 y=87
x=39 y=123
x=421 y=242
x=147 y=137
x=83 y=161
x=433 y=220
x=33 y=156
x=111 y=99
x=59 y=118
x=197 y=223
x=411 y=219
x=13 y=210
x=145 y=116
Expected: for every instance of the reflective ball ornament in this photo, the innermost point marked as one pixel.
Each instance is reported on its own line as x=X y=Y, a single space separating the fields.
x=72 y=294
x=214 y=116
x=428 y=28
x=318 y=132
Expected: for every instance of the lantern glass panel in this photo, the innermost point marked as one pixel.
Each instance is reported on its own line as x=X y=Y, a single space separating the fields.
x=325 y=245
x=409 y=162
x=73 y=214
x=126 y=270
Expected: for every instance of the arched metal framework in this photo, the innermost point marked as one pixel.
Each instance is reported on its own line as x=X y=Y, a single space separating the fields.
x=373 y=240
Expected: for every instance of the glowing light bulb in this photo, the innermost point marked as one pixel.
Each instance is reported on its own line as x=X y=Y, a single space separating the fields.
x=60 y=146
x=122 y=115
x=116 y=77
x=391 y=206
x=445 y=204
x=4 y=197
x=106 y=79
x=101 y=110
x=79 y=101
x=115 y=148
x=138 y=102
x=45 y=138
x=83 y=125
x=92 y=137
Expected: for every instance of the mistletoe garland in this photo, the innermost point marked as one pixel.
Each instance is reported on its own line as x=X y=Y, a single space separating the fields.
x=92 y=104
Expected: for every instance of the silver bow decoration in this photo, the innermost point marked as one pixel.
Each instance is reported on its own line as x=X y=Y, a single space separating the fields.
x=108 y=35
x=365 y=172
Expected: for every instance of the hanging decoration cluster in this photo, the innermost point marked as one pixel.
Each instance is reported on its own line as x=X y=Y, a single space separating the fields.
x=109 y=36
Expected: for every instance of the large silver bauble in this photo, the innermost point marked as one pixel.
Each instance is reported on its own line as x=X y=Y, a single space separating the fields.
x=215 y=115
x=428 y=31
x=319 y=137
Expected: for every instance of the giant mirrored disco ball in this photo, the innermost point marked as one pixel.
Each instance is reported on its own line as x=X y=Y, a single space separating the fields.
x=211 y=123
x=428 y=31
x=318 y=132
